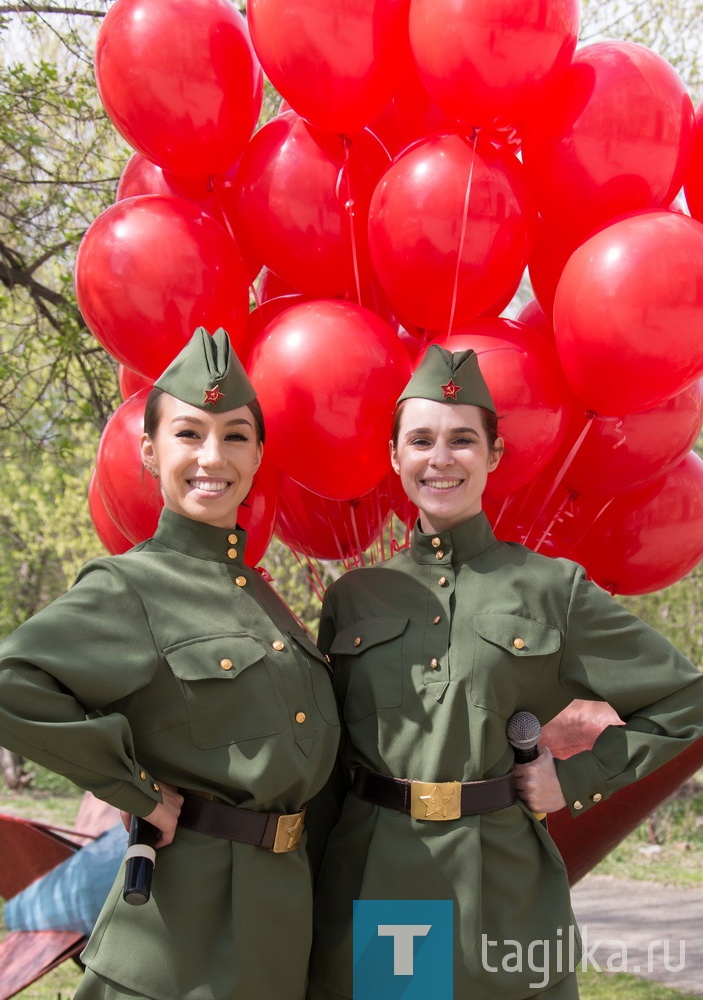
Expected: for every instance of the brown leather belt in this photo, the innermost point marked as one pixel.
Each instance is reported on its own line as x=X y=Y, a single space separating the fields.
x=435 y=800
x=275 y=831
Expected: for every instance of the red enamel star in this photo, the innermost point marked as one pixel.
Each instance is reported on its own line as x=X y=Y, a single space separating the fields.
x=450 y=389
x=213 y=395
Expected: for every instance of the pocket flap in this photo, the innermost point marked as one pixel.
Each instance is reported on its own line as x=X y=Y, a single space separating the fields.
x=519 y=636
x=218 y=656
x=308 y=645
x=369 y=632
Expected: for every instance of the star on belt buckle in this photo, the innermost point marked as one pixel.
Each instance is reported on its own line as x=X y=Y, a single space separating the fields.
x=289 y=830
x=435 y=800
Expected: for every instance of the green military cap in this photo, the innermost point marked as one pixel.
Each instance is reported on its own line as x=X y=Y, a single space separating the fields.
x=208 y=374
x=449 y=378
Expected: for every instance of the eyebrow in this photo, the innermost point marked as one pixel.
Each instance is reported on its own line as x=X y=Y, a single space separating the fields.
x=234 y=422
x=452 y=430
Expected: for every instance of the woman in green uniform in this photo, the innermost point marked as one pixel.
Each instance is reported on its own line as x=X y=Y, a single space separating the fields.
x=433 y=651
x=172 y=682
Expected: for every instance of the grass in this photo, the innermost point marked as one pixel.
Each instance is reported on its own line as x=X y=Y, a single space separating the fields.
x=615 y=985
x=668 y=847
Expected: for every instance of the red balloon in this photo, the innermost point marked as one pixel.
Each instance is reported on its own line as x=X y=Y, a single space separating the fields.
x=131 y=382
x=620 y=453
x=409 y=116
x=484 y=61
x=257 y=513
x=105 y=528
x=329 y=529
x=552 y=248
x=149 y=271
x=328 y=375
x=533 y=403
x=179 y=81
x=260 y=318
x=628 y=313
x=419 y=219
x=131 y=496
x=336 y=64
x=298 y=192
x=616 y=138
x=533 y=315
x=214 y=195
x=651 y=537
x=693 y=181
x=271 y=287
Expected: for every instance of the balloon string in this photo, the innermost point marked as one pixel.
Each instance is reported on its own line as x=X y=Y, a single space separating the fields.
x=561 y=473
x=213 y=185
x=555 y=518
x=464 y=220
x=349 y=209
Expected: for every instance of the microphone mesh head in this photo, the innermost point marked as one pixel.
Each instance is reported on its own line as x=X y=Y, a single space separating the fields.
x=523 y=730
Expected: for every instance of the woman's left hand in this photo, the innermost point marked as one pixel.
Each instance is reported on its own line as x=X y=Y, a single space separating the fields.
x=537 y=784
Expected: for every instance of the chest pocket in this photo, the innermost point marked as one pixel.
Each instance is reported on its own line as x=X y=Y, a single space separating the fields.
x=320 y=675
x=368 y=664
x=509 y=660
x=227 y=689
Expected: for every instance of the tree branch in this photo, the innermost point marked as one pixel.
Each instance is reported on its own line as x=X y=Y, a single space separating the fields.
x=29 y=8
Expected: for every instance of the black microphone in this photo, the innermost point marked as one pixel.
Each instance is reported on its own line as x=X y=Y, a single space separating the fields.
x=523 y=732
x=140 y=858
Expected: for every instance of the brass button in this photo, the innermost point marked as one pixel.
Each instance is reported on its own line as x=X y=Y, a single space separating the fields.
x=439 y=554
x=519 y=643
x=434 y=663
x=577 y=804
x=300 y=717
x=225 y=663
x=142 y=775
x=278 y=645
x=436 y=542
x=597 y=797
x=232 y=553
x=241 y=581
x=156 y=786
x=357 y=640
x=232 y=539
x=442 y=581
x=437 y=620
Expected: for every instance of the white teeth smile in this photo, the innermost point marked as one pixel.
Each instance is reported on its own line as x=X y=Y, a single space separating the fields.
x=441 y=484
x=209 y=485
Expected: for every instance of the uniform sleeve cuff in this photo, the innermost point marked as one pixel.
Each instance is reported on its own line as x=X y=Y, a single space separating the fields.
x=139 y=798
x=582 y=782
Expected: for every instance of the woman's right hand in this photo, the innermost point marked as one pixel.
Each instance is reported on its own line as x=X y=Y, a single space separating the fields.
x=164 y=816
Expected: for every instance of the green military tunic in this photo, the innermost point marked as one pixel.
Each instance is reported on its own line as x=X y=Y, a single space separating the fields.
x=433 y=651
x=175 y=662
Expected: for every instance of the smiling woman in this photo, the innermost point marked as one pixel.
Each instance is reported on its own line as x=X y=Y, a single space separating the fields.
x=172 y=682
x=433 y=651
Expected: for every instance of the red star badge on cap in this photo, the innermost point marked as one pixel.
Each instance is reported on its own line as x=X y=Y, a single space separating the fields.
x=213 y=395
x=450 y=389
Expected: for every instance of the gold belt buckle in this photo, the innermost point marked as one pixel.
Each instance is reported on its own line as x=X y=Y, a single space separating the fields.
x=289 y=830
x=435 y=800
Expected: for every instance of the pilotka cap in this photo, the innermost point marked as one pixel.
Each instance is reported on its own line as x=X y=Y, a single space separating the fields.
x=208 y=374
x=449 y=378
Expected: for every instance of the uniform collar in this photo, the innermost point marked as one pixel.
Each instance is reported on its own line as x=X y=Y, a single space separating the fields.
x=225 y=545
x=459 y=544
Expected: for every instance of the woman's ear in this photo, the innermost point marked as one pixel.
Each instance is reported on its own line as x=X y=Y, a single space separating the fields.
x=146 y=446
x=394 y=457
x=496 y=454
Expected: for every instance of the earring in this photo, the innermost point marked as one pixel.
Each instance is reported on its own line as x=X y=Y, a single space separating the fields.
x=152 y=471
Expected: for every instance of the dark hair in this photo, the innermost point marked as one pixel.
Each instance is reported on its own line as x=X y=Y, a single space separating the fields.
x=488 y=418
x=152 y=415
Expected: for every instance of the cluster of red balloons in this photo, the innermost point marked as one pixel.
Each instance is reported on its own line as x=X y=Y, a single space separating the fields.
x=427 y=154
